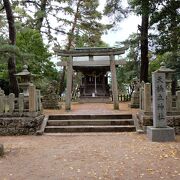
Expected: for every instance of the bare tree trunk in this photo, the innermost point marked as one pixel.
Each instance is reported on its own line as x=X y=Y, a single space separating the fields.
x=69 y=45
x=43 y=13
x=144 y=41
x=62 y=78
x=12 y=38
x=174 y=44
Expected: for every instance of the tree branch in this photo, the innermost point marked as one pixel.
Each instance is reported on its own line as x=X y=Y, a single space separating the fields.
x=2 y=8
x=32 y=2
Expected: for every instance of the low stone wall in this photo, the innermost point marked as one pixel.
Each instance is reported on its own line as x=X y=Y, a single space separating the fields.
x=20 y=125
x=147 y=120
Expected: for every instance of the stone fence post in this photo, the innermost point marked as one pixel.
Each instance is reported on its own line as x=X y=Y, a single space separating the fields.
x=32 y=98
x=38 y=93
x=1 y=101
x=168 y=101
x=6 y=104
x=21 y=102
x=11 y=102
x=141 y=99
x=147 y=97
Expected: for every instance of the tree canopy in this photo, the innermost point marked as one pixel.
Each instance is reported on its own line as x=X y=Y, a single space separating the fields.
x=30 y=29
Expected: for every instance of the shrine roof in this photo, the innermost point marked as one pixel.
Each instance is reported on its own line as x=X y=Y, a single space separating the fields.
x=90 y=51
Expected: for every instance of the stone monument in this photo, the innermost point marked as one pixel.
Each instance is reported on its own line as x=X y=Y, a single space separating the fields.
x=51 y=99
x=159 y=131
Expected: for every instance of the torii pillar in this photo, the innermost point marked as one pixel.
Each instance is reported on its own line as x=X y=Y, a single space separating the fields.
x=114 y=82
x=69 y=84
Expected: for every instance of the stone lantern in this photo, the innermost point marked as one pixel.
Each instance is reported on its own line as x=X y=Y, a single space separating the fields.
x=24 y=80
x=168 y=75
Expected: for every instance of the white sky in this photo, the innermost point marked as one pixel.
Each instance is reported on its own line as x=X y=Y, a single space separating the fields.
x=125 y=28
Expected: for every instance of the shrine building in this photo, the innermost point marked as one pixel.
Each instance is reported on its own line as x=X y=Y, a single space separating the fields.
x=94 y=64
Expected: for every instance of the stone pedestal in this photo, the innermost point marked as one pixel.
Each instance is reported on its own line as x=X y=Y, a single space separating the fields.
x=160 y=134
x=135 y=100
x=159 y=131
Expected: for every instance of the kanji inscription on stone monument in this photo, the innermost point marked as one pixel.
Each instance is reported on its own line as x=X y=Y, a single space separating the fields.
x=159 y=100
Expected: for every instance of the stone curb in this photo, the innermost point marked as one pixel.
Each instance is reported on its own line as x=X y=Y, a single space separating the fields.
x=43 y=125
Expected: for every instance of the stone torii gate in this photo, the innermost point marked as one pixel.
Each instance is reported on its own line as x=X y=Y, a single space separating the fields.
x=91 y=53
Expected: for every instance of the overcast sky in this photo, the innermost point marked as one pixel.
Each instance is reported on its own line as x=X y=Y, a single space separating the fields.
x=126 y=27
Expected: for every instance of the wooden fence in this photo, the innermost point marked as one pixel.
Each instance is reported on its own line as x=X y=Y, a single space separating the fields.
x=124 y=97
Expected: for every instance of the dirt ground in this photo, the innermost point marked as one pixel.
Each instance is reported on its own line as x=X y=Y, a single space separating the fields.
x=89 y=156
x=120 y=156
x=93 y=108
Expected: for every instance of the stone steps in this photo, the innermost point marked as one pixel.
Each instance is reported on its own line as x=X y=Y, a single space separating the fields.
x=89 y=116
x=74 y=129
x=89 y=123
x=94 y=122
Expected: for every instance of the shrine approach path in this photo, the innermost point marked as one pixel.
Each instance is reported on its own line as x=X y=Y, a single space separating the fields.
x=89 y=156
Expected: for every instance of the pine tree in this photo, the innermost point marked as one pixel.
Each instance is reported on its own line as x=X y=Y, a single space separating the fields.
x=12 y=41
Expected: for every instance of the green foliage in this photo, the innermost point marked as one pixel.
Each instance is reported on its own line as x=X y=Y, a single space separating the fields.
x=6 y=51
x=115 y=11
x=86 y=29
x=125 y=74
x=137 y=6
x=93 y=41
x=35 y=55
x=10 y=49
x=30 y=42
x=133 y=42
x=155 y=64
x=167 y=21
x=170 y=61
x=3 y=71
x=80 y=23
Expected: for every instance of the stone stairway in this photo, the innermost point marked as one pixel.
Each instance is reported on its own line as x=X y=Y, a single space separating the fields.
x=89 y=123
